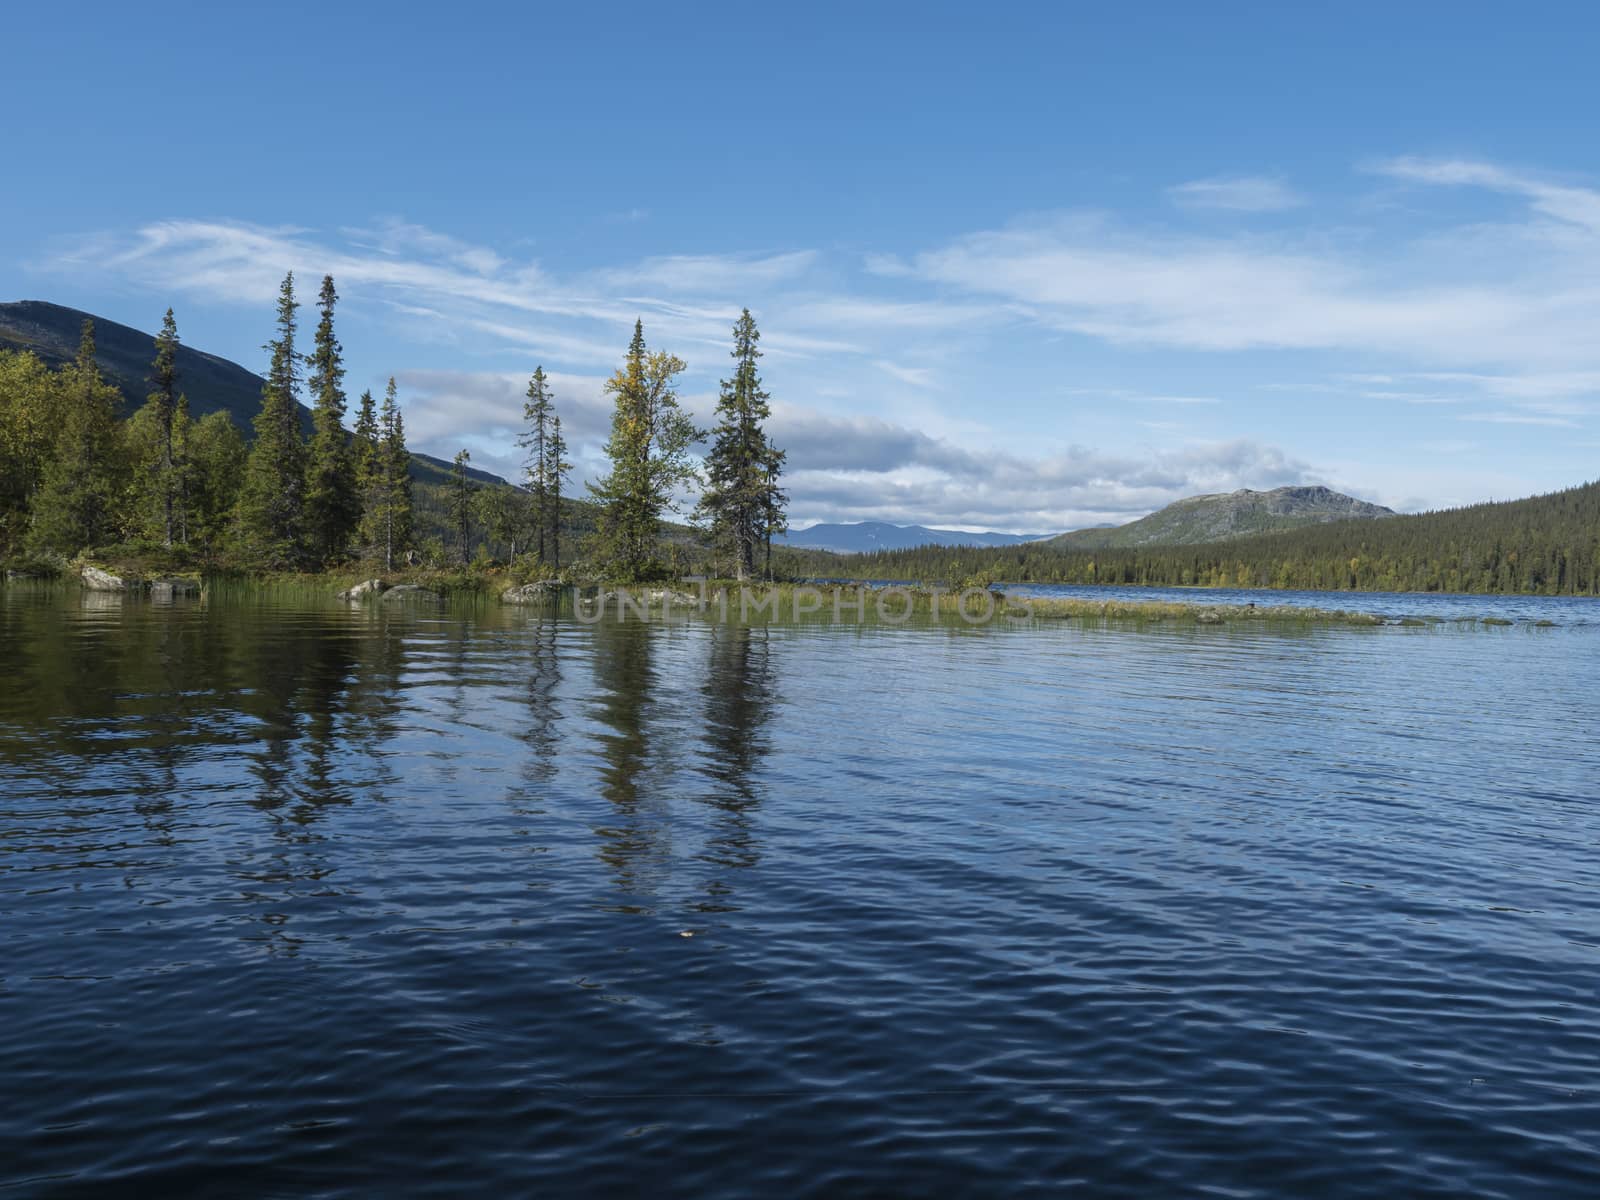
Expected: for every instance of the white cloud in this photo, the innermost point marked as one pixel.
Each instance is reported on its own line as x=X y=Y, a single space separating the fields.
x=1511 y=418
x=920 y=377
x=1563 y=202
x=1083 y=275
x=710 y=273
x=1245 y=193
x=1492 y=315
x=862 y=467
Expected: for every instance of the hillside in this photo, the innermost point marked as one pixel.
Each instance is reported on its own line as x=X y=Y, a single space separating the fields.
x=1225 y=515
x=1548 y=545
x=865 y=536
x=123 y=353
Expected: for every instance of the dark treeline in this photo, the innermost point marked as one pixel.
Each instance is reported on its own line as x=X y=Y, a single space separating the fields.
x=1546 y=545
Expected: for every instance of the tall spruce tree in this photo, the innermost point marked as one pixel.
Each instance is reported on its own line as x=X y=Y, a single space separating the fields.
x=78 y=500
x=333 y=504
x=166 y=470
x=393 y=481
x=649 y=452
x=269 y=524
x=537 y=411
x=741 y=500
x=556 y=470
x=366 y=452
x=461 y=490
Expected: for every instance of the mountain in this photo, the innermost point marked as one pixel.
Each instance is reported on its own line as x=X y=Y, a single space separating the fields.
x=866 y=536
x=51 y=331
x=1542 y=545
x=1226 y=515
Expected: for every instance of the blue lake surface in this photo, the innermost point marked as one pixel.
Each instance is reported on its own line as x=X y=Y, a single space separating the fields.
x=303 y=899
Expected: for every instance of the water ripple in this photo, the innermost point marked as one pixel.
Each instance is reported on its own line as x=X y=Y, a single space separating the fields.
x=479 y=902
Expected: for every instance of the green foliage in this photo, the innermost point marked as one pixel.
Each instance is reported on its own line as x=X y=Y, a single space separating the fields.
x=81 y=493
x=267 y=506
x=333 y=502
x=158 y=469
x=30 y=400
x=215 y=458
x=461 y=490
x=269 y=522
x=556 y=471
x=384 y=479
x=506 y=516
x=742 y=501
x=649 y=453
x=366 y=458
x=547 y=467
x=539 y=413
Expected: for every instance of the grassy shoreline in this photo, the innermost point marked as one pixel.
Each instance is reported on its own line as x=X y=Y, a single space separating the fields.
x=718 y=598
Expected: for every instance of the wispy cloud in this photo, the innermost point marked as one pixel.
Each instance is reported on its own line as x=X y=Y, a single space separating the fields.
x=1244 y=193
x=1563 y=202
x=920 y=377
x=1492 y=315
x=1512 y=418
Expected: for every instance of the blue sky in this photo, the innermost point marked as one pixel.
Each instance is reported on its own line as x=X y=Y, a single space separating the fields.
x=1021 y=269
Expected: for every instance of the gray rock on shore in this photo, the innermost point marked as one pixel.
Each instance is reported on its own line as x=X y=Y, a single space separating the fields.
x=96 y=579
x=541 y=592
x=410 y=591
x=361 y=591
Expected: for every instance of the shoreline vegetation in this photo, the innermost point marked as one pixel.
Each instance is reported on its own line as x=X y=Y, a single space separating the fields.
x=724 y=600
x=161 y=496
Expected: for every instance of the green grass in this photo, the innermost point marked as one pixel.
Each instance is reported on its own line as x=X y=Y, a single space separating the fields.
x=1058 y=609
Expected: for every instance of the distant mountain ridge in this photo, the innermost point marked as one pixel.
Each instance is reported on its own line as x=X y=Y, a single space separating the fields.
x=124 y=354
x=863 y=537
x=1223 y=516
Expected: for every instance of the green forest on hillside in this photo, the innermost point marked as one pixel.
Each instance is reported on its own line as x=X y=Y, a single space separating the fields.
x=1543 y=545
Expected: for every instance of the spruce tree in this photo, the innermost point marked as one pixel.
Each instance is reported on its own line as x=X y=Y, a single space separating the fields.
x=461 y=504
x=333 y=506
x=269 y=527
x=741 y=500
x=366 y=452
x=399 y=459
x=556 y=469
x=394 y=486
x=649 y=452
x=536 y=412
x=163 y=403
x=77 y=503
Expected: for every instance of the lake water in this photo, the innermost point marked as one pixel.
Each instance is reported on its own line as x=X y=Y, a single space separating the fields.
x=299 y=899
